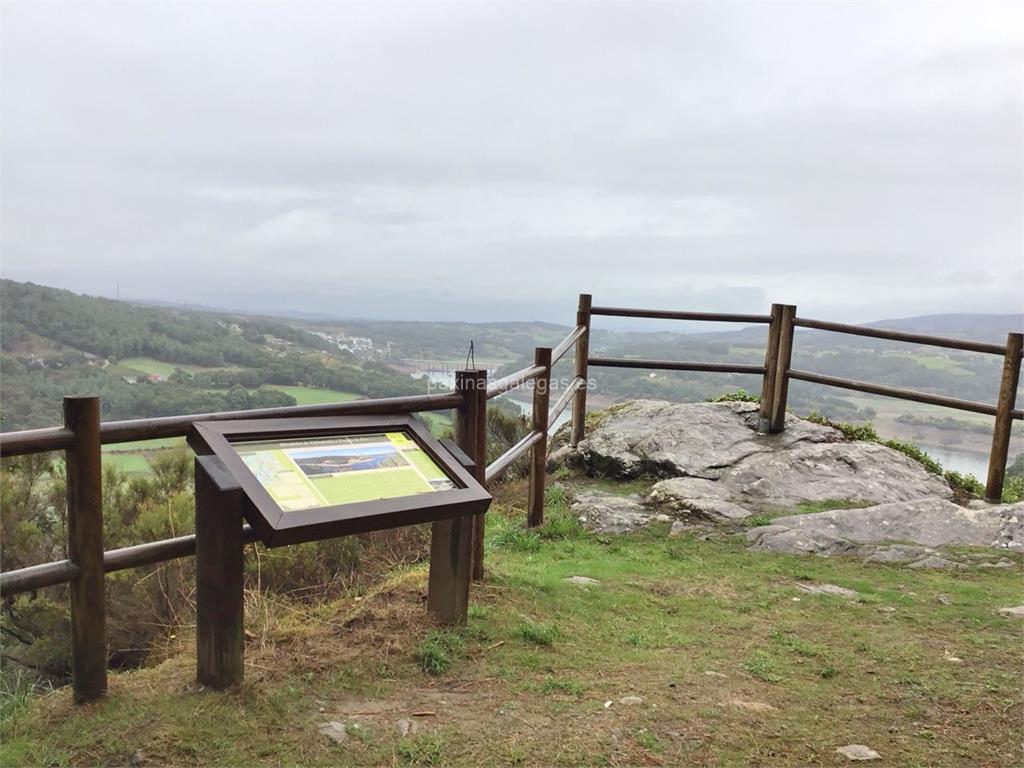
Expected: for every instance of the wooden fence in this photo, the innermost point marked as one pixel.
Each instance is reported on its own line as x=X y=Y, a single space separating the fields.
x=83 y=435
x=777 y=371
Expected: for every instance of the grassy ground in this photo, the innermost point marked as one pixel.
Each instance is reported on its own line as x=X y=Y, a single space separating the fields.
x=735 y=665
x=315 y=396
x=147 y=365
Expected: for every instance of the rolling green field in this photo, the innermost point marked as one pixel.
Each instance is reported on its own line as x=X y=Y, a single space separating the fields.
x=148 y=365
x=315 y=396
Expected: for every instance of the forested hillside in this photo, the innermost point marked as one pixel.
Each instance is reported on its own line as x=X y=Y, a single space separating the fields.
x=149 y=361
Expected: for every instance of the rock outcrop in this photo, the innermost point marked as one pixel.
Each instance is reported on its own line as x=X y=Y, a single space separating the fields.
x=877 y=532
x=649 y=438
x=707 y=463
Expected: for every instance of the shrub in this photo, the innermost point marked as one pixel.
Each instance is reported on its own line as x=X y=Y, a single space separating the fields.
x=439 y=650
x=538 y=634
x=965 y=482
x=762 y=666
x=911 y=450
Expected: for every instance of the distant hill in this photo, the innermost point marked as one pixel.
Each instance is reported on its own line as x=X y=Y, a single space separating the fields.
x=977 y=327
x=55 y=342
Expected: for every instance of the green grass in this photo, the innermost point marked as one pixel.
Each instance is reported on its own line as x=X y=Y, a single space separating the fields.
x=835 y=671
x=439 y=650
x=316 y=396
x=129 y=463
x=146 y=365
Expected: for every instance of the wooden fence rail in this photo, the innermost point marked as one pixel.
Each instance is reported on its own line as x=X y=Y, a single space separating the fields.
x=777 y=371
x=82 y=437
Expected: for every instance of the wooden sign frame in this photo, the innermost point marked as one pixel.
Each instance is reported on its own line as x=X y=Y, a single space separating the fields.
x=276 y=527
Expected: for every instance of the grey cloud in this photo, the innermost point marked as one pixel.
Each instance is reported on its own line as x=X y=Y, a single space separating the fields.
x=404 y=159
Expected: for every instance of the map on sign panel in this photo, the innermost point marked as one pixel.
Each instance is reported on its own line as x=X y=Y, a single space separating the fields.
x=324 y=472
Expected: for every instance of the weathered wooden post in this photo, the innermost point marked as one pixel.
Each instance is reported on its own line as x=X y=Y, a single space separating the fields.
x=1004 y=417
x=539 y=451
x=452 y=540
x=475 y=446
x=579 y=401
x=220 y=610
x=771 y=356
x=85 y=548
x=783 y=359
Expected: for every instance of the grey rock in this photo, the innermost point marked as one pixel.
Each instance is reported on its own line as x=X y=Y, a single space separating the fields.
x=334 y=731
x=899 y=553
x=927 y=522
x=697 y=497
x=933 y=561
x=678 y=528
x=1016 y=612
x=631 y=701
x=821 y=471
x=828 y=589
x=583 y=581
x=858 y=752
x=659 y=439
x=752 y=706
x=609 y=513
x=800 y=540
x=406 y=727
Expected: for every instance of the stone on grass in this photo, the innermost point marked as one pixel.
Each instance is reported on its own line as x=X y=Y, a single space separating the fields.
x=610 y=513
x=752 y=706
x=858 y=752
x=934 y=561
x=631 y=701
x=678 y=528
x=1016 y=612
x=828 y=589
x=869 y=532
x=406 y=727
x=583 y=581
x=334 y=731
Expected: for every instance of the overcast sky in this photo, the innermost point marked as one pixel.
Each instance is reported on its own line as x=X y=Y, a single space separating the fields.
x=488 y=161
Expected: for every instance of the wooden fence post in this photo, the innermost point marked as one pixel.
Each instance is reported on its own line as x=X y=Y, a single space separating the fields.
x=771 y=357
x=539 y=451
x=579 y=400
x=452 y=540
x=783 y=359
x=85 y=548
x=1004 y=417
x=220 y=557
x=474 y=443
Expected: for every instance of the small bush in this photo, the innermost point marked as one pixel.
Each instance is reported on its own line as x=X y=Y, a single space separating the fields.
x=508 y=534
x=538 y=634
x=965 y=482
x=1013 y=489
x=762 y=666
x=439 y=650
x=426 y=750
x=559 y=522
x=571 y=687
x=911 y=450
